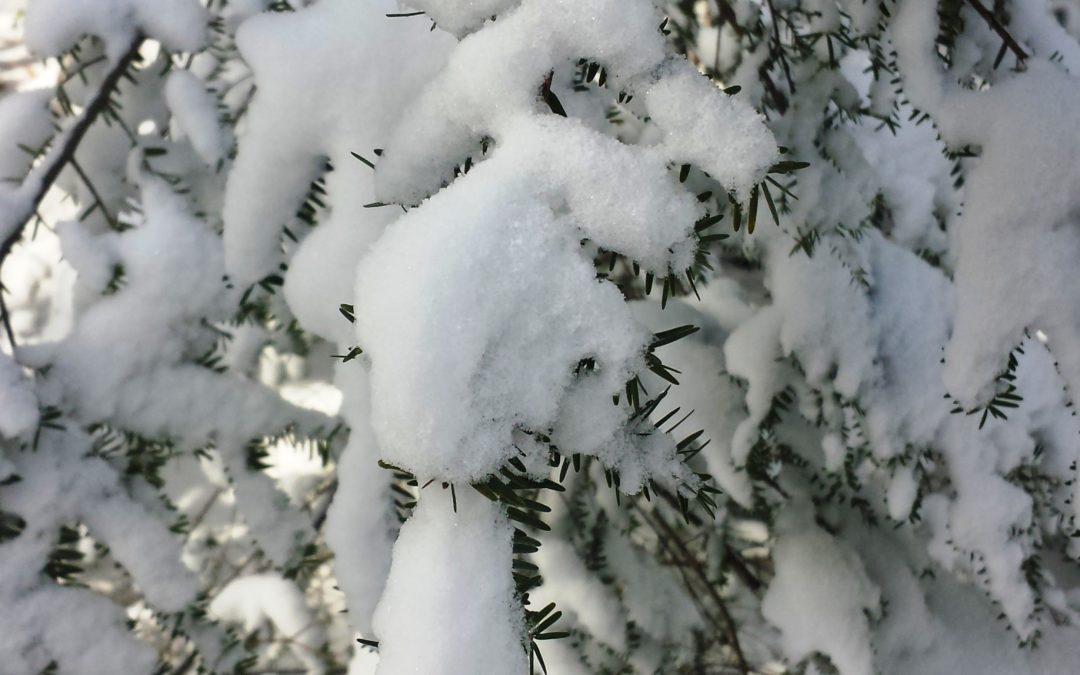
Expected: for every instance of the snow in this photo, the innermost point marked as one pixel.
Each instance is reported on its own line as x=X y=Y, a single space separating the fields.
x=357 y=524
x=255 y=600
x=705 y=387
x=446 y=406
x=48 y=622
x=461 y=18
x=195 y=113
x=586 y=599
x=24 y=121
x=18 y=403
x=318 y=72
x=819 y=596
x=464 y=364
x=841 y=374
x=53 y=26
x=715 y=132
x=450 y=590
x=317 y=77
x=478 y=95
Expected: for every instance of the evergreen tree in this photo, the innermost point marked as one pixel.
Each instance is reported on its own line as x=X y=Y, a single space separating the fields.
x=519 y=336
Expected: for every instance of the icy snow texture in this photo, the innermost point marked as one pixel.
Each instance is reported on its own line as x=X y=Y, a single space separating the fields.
x=457 y=369
x=1014 y=256
x=24 y=121
x=883 y=348
x=449 y=605
x=701 y=125
x=462 y=17
x=357 y=524
x=24 y=125
x=704 y=387
x=123 y=360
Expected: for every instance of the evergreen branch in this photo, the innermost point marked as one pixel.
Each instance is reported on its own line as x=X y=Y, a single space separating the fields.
x=113 y=222
x=780 y=47
x=79 y=72
x=65 y=153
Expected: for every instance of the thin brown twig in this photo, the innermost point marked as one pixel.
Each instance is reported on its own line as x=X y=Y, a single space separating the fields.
x=687 y=558
x=996 y=26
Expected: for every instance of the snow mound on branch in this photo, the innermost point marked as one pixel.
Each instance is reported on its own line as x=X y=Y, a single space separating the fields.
x=332 y=80
x=455 y=363
x=819 y=596
x=478 y=95
x=457 y=366
x=195 y=113
x=53 y=26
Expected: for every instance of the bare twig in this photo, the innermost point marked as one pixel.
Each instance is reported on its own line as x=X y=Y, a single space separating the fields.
x=669 y=539
x=996 y=26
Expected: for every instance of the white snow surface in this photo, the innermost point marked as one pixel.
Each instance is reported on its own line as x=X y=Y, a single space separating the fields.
x=53 y=26
x=449 y=604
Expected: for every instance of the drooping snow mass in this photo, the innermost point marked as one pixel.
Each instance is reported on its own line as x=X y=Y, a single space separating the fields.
x=447 y=407
x=319 y=72
x=48 y=622
x=332 y=79
x=464 y=362
x=460 y=18
x=146 y=386
x=25 y=128
x=18 y=402
x=357 y=527
x=704 y=384
x=472 y=340
x=1027 y=150
x=449 y=604
x=196 y=114
x=820 y=599
x=24 y=121
x=717 y=133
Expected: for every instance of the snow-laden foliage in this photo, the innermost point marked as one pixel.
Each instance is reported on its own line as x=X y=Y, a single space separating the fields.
x=507 y=336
